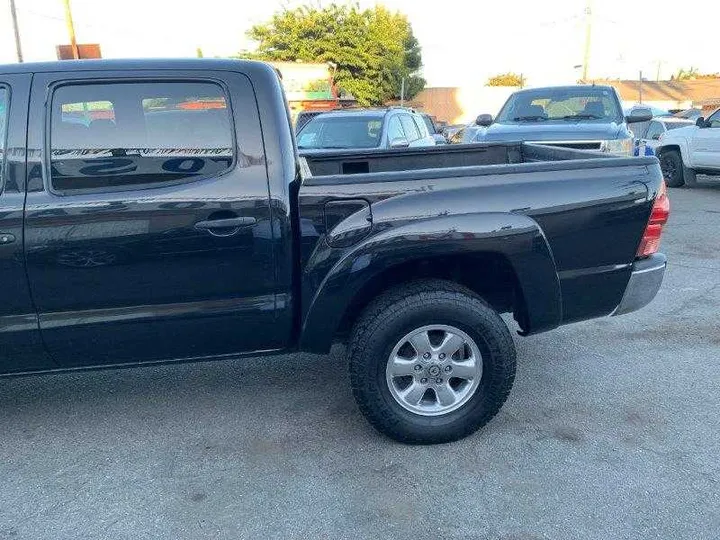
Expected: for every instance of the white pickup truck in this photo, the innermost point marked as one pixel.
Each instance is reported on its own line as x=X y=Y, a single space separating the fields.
x=691 y=150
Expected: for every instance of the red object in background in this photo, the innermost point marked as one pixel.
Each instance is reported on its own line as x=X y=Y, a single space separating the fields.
x=319 y=105
x=203 y=105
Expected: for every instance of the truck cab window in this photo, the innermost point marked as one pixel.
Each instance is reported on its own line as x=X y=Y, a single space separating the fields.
x=714 y=120
x=115 y=136
x=395 y=130
x=410 y=128
x=654 y=131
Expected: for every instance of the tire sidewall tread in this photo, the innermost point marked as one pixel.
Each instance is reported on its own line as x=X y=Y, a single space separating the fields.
x=672 y=182
x=398 y=312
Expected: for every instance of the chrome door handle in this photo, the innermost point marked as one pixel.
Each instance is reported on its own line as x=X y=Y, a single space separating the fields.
x=228 y=223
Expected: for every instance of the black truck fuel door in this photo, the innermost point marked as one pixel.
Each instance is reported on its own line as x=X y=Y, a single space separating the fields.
x=347 y=221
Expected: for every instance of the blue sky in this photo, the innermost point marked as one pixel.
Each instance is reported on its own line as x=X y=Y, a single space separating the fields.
x=464 y=41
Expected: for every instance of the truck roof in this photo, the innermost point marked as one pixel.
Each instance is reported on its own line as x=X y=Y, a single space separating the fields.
x=565 y=87
x=127 y=64
x=379 y=113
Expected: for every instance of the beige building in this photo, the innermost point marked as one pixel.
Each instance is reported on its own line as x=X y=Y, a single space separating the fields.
x=670 y=95
x=461 y=105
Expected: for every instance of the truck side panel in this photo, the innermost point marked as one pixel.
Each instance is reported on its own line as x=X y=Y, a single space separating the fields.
x=592 y=218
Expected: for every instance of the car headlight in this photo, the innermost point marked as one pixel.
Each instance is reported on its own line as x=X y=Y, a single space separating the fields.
x=622 y=147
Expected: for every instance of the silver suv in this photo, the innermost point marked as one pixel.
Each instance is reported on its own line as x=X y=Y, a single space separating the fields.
x=396 y=127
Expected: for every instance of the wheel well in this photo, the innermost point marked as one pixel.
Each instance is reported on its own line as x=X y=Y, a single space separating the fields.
x=669 y=148
x=489 y=275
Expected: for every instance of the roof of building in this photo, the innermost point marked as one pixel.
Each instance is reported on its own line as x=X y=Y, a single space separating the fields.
x=697 y=91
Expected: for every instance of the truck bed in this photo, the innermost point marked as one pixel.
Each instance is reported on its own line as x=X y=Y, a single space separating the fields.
x=590 y=208
x=470 y=156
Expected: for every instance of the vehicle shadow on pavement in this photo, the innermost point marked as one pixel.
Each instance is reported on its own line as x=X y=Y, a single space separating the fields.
x=250 y=392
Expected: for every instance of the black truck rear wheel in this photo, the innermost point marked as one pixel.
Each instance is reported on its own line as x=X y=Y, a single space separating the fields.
x=430 y=362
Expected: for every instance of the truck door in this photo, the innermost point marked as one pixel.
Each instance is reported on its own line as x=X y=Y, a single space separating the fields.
x=148 y=220
x=20 y=345
x=706 y=144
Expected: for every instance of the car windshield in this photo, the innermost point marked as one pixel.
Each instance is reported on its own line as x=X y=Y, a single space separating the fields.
x=327 y=131
x=582 y=103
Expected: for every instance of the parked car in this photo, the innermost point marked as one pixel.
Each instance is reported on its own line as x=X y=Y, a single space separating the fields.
x=690 y=150
x=303 y=117
x=657 y=112
x=690 y=114
x=407 y=255
x=396 y=127
x=455 y=133
x=585 y=117
x=649 y=139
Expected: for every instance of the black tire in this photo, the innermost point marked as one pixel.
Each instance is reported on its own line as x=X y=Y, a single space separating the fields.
x=690 y=177
x=672 y=167
x=398 y=312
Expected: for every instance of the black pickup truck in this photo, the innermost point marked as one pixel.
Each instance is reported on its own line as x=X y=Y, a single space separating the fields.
x=157 y=211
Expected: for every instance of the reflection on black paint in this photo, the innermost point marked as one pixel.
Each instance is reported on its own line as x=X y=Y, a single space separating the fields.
x=92 y=169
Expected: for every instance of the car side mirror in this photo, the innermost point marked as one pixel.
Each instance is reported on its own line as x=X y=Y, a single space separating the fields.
x=701 y=123
x=399 y=142
x=639 y=115
x=484 y=120
x=656 y=137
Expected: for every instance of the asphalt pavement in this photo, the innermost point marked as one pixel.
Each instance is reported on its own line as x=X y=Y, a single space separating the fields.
x=611 y=432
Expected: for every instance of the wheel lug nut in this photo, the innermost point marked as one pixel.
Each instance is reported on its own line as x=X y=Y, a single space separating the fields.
x=418 y=367
x=442 y=356
x=423 y=380
x=426 y=355
x=448 y=368
x=438 y=380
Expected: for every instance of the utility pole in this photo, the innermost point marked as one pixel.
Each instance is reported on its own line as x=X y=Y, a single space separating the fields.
x=71 y=30
x=402 y=92
x=640 y=87
x=588 y=39
x=16 y=28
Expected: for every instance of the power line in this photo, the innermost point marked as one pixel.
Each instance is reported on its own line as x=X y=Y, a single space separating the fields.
x=124 y=31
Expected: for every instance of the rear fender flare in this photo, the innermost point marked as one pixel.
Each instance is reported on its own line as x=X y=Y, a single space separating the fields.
x=515 y=236
x=677 y=144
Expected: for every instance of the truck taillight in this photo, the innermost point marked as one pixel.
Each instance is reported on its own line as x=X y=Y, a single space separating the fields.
x=650 y=242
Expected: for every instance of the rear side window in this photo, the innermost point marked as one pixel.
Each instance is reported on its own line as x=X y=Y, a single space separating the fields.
x=395 y=130
x=410 y=128
x=420 y=122
x=116 y=136
x=655 y=129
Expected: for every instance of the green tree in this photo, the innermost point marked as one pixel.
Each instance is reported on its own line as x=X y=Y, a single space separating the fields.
x=692 y=74
x=506 y=79
x=685 y=74
x=374 y=49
